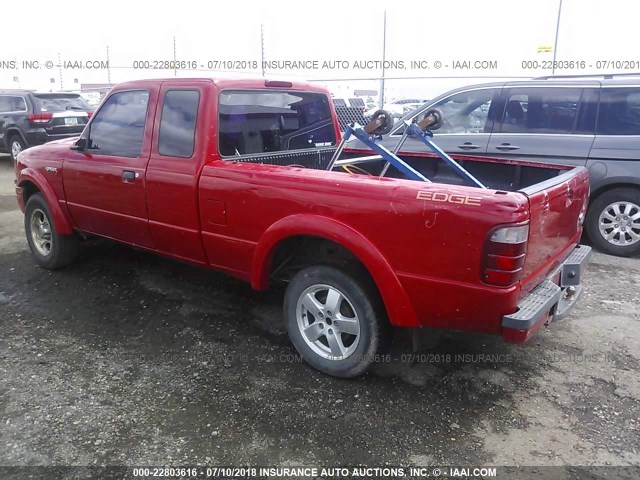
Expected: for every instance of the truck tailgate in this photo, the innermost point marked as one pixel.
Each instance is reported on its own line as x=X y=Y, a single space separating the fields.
x=557 y=208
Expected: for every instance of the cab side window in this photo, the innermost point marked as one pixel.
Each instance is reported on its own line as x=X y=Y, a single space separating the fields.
x=466 y=112
x=118 y=127
x=178 y=123
x=541 y=110
x=619 y=112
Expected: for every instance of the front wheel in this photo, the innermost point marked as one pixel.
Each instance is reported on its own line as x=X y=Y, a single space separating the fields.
x=334 y=320
x=50 y=249
x=613 y=222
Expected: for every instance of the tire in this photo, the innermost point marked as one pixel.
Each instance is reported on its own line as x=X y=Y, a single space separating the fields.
x=386 y=122
x=51 y=250
x=362 y=320
x=16 y=145
x=608 y=215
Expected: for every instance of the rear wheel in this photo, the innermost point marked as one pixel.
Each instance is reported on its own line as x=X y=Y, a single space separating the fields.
x=50 y=249
x=613 y=222
x=335 y=320
x=16 y=145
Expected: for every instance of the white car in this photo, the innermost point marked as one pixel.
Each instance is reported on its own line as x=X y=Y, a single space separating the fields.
x=398 y=108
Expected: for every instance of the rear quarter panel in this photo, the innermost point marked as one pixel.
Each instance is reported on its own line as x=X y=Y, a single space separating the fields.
x=434 y=247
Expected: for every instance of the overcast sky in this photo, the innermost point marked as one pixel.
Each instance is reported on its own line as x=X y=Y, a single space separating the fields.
x=506 y=31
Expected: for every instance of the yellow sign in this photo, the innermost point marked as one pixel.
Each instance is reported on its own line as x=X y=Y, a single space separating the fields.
x=545 y=49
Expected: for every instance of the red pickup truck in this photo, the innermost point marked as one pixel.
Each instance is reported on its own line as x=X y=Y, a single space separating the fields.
x=238 y=176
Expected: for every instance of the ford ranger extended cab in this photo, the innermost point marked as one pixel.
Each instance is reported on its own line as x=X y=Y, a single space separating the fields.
x=242 y=176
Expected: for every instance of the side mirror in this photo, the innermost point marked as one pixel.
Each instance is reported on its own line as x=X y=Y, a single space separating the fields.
x=80 y=145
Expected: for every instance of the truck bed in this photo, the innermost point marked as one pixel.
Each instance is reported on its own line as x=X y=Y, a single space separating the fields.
x=554 y=192
x=497 y=174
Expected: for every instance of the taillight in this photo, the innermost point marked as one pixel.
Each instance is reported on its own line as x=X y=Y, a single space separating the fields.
x=89 y=114
x=504 y=254
x=39 y=118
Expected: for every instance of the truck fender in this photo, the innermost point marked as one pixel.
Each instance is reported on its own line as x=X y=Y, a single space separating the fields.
x=61 y=219
x=395 y=298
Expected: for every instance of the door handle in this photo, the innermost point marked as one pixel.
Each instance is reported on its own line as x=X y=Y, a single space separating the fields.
x=468 y=146
x=129 y=176
x=507 y=147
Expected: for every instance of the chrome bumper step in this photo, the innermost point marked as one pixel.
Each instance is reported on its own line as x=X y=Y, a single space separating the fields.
x=550 y=298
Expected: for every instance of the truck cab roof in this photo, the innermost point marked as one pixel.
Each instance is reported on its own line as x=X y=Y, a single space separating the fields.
x=231 y=83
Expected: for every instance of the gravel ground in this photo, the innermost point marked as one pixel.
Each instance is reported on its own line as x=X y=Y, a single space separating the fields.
x=126 y=358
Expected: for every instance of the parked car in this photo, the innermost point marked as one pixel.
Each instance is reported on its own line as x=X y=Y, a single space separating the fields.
x=398 y=107
x=239 y=176
x=29 y=118
x=586 y=121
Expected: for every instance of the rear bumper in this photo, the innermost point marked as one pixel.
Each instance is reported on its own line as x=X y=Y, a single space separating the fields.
x=549 y=301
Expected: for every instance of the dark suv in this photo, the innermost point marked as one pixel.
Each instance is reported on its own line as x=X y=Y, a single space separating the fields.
x=589 y=121
x=28 y=118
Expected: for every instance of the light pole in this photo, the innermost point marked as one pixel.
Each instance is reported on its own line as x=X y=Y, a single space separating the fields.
x=384 y=56
x=175 y=61
x=108 y=67
x=262 y=48
x=555 y=44
x=16 y=79
x=60 y=71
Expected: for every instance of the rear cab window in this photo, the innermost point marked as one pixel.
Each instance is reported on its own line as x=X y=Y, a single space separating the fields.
x=265 y=121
